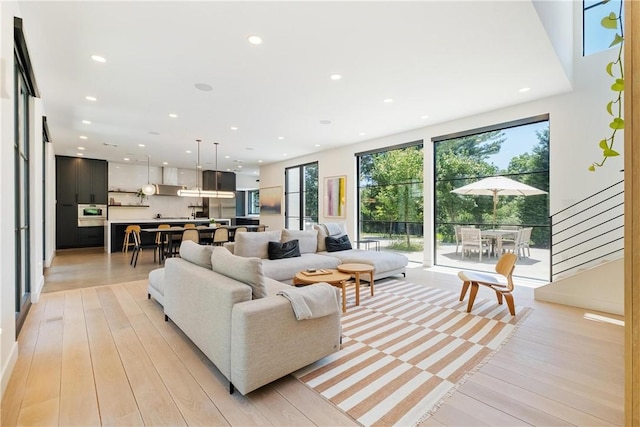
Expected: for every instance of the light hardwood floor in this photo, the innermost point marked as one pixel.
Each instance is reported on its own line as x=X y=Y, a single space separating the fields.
x=104 y=355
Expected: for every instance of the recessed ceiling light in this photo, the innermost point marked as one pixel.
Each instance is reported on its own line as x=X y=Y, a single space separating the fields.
x=140 y=145
x=199 y=166
x=281 y=137
x=239 y=166
x=173 y=116
x=83 y=137
x=336 y=76
x=80 y=148
x=227 y=157
x=126 y=159
x=325 y=122
x=203 y=87
x=165 y=163
x=424 y=117
x=388 y=101
x=79 y=154
x=234 y=128
x=256 y=40
x=362 y=134
x=188 y=151
x=259 y=161
x=86 y=122
x=317 y=145
x=98 y=58
x=228 y=170
x=90 y=98
x=525 y=89
x=284 y=154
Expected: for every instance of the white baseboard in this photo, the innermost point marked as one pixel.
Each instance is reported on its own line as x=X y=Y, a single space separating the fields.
x=7 y=369
x=35 y=294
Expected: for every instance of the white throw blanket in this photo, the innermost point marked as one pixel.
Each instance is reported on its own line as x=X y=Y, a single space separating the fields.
x=333 y=228
x=312 y=301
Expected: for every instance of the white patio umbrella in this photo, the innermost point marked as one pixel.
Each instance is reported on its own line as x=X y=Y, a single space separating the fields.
x=497 y=186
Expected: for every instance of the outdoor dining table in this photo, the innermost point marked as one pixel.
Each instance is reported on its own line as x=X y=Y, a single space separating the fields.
x=169 y=232
x=496 y=236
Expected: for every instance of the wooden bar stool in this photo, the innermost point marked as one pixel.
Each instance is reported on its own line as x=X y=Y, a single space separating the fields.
x=128 y=238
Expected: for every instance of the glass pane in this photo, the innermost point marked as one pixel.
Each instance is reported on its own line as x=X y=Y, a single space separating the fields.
x=596 y=37
x=391 y=199
x=293 y=223
x=293 y=180
x=517 y=155
x=293 y=205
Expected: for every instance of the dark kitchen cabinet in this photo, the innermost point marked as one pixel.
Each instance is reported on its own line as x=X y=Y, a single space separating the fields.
x=78 y=181
x=66 y=225
x=66 y=180
x=226 y=181
x=90 y=236
x=81 y=180
x=92 y=181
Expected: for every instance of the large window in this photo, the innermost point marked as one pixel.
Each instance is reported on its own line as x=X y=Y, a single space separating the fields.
x=390 y=189
x=301 y=196
x=518 y=151
x=595 y=37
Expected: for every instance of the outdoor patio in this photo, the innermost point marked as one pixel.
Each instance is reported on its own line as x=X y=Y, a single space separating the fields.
x=533 y=269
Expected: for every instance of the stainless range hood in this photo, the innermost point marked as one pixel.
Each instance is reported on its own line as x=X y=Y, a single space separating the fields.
x=168 y=190
x=169 y=181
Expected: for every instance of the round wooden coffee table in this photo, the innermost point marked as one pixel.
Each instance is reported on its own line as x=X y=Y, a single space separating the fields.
x=357 y=269
x=332 y=277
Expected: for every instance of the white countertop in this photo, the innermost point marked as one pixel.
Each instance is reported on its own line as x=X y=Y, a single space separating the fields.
x=161 y=220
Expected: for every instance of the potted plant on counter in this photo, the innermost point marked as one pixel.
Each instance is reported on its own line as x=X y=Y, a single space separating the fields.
x=212 y=222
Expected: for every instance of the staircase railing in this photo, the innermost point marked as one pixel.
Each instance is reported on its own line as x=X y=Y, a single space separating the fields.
x=588 y=232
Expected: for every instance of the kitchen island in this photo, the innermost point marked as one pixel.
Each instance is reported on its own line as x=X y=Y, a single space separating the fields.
x=114 y=229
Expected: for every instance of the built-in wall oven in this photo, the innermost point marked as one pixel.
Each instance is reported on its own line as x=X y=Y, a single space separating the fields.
x=91 y=215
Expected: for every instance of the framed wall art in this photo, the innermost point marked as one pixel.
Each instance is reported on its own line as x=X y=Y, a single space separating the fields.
x=335 y=196
x=271 y=201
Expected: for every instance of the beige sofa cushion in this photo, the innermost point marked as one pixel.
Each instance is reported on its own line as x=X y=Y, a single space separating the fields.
x=255 y=244
x=196 y=254
x=245 y=270
x=323 y=233
x=307 y=239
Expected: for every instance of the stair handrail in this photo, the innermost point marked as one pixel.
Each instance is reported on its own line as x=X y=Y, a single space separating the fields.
x=583 y=247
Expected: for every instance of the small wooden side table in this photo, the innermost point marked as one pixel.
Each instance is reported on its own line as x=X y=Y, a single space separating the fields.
x=332 y=277
x=357 y=269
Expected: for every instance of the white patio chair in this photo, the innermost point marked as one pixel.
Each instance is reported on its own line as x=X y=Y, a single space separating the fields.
x=472 y=241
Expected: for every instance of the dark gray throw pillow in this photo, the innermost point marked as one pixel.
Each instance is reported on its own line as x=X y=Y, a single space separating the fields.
x=335 y=244
x=290 y=249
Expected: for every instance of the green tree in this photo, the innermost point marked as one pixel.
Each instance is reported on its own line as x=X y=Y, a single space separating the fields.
x=392 y=189
x=311 y=192
x=534 y=171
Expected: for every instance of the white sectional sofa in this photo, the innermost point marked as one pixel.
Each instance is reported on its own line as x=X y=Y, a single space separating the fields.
x=227 y=304
x=211 y=295
x=313 y=253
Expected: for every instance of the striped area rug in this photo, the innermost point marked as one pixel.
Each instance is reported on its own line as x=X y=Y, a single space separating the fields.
x=406 y=349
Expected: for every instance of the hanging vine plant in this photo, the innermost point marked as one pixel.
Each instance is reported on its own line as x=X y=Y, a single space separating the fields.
x=615 y=69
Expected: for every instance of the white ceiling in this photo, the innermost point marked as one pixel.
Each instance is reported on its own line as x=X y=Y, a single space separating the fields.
x=444 y=59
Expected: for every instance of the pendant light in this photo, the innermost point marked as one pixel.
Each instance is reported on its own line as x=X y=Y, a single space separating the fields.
x=197 y=191
x=148 y=189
